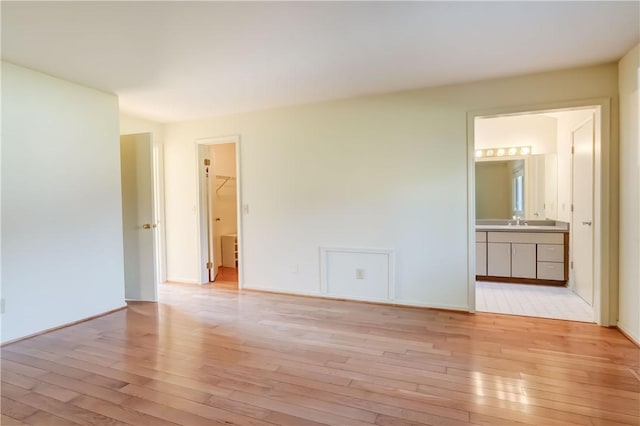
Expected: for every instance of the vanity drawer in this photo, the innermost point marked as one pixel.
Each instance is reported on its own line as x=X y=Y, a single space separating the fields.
x=551 y=271
x=550 y=252
x=481 y=237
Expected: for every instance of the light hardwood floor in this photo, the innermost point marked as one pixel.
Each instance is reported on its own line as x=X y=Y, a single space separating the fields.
x=213 y=356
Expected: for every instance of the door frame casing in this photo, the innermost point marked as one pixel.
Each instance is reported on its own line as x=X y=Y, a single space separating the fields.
x=605 y=213
x=202 y=271
x=159 y=198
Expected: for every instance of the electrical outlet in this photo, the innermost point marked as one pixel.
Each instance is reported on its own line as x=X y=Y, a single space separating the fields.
x=359 y=274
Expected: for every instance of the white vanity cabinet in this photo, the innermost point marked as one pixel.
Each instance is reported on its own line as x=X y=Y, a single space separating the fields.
x=481 y=253
x=551 y=259
x=499 y=259
x=522 y=256
x=523 y=260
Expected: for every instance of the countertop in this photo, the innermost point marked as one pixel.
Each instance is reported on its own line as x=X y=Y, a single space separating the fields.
x=523 y=228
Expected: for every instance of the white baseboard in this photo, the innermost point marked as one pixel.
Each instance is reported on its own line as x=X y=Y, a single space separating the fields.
x=411 y=304
x=631 y=336
x=68 y=324
x=280 y=290
x=182 y=280
x=463 y=308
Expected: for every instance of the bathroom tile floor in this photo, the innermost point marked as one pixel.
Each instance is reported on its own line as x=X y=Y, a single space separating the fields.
x=532 y=300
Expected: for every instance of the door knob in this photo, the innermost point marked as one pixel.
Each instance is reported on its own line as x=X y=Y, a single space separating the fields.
x=146 y=226
x=587 y=223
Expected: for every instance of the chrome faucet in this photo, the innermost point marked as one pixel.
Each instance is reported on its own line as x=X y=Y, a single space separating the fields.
x=517 y=220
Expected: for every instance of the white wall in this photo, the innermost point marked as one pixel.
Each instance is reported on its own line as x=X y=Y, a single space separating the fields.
x=537 y=131
x=130 y=124
x=62 y=254
x=629 y=310
x=386 y=172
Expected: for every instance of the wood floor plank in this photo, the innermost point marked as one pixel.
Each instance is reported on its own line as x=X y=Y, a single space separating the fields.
x=168 y=413
x=42 y=418
x=67 y=411
x=16 y=409
x=211 y=355
x=118 y=412
x=215 y=415
x=10 y=421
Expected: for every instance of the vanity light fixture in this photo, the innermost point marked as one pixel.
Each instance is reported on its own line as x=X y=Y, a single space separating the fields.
x=503 y=152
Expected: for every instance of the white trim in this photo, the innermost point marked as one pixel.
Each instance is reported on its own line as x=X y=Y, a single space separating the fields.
x=159 y=219
x=258 y=287
x=391 y=284
x=462 y=308
x=67 y=324
x=235 y=139
x=603 y=229
x=181 y=280
x=410 y=304
x=627 y=331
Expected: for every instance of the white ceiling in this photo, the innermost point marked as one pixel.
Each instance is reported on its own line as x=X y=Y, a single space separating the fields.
x=171 y=61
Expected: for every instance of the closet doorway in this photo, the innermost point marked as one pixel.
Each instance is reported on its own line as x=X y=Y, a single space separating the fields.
x=219 y=218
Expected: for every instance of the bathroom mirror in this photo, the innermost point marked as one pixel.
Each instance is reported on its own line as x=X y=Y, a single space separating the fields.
x=526 y=187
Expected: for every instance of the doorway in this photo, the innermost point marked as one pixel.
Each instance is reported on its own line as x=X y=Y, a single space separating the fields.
x=219 y=208
x=534 y=202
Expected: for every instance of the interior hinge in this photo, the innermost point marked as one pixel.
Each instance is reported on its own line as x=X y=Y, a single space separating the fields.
x=207 y=162
x=573 y=149
x=209 y=265
x=572 y=208
x=572 y=264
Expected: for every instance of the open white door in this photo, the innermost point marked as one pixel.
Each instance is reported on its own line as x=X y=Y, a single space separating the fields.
x=583 y=139
x=205 y=178
x=139 y=227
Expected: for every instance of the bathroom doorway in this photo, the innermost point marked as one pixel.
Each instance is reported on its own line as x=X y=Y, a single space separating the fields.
x=218 y=210
x=535 y=201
